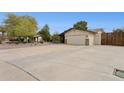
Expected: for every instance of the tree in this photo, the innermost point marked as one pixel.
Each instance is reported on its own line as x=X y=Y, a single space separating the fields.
x=56 y=38
x=26 y=27
x=81 y=25
x=44 y=32
x=20 y=26
x=118 y=30
x=11 y=22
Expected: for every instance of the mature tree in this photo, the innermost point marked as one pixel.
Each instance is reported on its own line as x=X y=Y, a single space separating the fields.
x=82 y=25
x=20 y=26
x=56 y=38
x=11 y=22
x=118 y=30
x=26 y=27
x=44 y=32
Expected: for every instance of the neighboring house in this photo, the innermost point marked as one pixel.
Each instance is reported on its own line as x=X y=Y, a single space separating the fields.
x=80 y=37
x=38 y=39
x=3 y=36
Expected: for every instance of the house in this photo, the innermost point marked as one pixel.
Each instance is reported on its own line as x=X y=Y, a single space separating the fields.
x=38 y=39
x=79 y=37
x=3 y=37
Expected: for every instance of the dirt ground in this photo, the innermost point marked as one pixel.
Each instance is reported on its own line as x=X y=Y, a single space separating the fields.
x=13 y=46
x=61 y=62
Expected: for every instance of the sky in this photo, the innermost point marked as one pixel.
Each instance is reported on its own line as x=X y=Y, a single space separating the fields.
x=61 y=21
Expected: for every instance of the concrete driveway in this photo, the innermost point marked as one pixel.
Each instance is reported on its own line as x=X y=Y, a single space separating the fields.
x=61 y=62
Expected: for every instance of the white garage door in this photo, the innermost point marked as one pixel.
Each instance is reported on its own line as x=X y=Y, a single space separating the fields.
x=76 y=40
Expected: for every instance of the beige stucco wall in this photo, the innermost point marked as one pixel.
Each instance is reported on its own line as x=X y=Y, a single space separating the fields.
x=77 y=37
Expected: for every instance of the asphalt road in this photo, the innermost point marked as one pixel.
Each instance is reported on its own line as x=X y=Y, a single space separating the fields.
x=61 y=62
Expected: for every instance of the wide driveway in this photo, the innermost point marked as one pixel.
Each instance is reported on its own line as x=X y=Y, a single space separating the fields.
x=61 y=62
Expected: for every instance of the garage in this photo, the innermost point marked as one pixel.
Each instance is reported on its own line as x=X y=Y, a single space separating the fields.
x=75 y=39
x=80 y=37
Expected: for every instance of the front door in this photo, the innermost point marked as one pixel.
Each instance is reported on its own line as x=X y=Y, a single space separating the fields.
x=86 y=42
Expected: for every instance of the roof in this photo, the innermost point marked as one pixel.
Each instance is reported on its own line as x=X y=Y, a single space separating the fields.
x=37 y=36
x=76 y=29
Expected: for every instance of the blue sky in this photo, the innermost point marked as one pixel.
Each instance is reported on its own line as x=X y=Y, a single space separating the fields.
x=60 y=21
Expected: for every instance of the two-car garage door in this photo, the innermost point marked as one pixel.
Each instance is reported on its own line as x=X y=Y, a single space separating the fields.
x=76 y=40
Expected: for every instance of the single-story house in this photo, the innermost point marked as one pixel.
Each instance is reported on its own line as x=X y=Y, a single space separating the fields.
x=38 y=38
x=79 y=37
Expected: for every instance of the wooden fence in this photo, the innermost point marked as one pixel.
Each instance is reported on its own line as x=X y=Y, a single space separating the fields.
x=116 y=38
